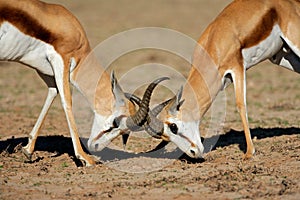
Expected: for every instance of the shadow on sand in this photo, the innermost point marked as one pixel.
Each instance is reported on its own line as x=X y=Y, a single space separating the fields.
x=61 y=145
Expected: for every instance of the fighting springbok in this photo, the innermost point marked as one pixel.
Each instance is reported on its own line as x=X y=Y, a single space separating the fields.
x=244 y=34
x=49 y=39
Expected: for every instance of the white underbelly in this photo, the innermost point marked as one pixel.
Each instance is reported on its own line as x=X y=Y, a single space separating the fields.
x=264 y=50
x=16 y=46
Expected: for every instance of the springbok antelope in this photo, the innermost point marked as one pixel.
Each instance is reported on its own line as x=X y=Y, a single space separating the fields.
x=49 y=39
x=244 y=34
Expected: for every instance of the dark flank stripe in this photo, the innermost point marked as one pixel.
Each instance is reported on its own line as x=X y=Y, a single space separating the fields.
x=26 y=24
x=261 y=30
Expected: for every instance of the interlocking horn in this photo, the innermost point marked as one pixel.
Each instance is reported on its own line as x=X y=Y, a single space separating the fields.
x=140 y=117
x=151 y=119
x=153 y=126
x=155 y=111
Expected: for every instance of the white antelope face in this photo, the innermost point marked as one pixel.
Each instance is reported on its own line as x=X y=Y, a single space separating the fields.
x=104 y=127
x=123 y=119
x=170 y=127
x=185 y=135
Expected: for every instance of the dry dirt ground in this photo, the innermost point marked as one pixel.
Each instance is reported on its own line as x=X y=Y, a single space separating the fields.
x=273 y=103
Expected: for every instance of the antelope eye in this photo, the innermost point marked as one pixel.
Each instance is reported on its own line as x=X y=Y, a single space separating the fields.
x=173 y=127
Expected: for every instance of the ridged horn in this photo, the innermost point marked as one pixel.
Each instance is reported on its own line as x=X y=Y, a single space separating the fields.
x=153 y=126
x=157 y=109
x=140 y=117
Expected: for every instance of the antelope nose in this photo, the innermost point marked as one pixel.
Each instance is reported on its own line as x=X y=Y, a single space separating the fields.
x=194 y=152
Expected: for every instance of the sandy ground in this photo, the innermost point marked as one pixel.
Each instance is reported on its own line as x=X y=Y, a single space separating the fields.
x=273 y=97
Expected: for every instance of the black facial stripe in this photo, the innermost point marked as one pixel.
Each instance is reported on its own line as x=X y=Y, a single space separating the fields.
x=183 y=136
x=102 y=133
x=116 y=124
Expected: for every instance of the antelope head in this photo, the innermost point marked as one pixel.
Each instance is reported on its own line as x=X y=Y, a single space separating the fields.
x=171 y=128
x=123 y=119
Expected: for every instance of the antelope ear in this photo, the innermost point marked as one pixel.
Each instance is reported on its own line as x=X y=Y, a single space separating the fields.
x=117 y=91
x=175 y=103
x=133 y=98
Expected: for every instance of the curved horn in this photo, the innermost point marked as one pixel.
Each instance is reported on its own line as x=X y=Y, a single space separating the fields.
x=154 y=126
x=140 y=117
x=157 y=109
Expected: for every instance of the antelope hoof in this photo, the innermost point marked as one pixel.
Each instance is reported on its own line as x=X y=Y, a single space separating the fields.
x=27 y=154
x=88 y=160
x=248 y=156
